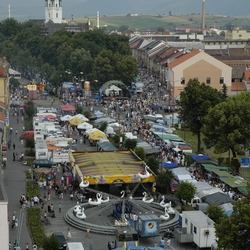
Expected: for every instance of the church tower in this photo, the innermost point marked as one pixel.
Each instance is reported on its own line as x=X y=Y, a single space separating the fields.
x=53 y=11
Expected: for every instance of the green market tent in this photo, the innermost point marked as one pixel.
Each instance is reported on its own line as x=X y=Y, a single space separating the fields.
x=222 y=174
x=234 y=182
x=212 y=167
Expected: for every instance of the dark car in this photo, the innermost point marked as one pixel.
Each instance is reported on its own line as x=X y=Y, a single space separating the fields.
x=62 y=240
x=44 y=163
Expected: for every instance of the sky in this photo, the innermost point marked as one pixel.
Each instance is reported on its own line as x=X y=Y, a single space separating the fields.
x=34 y=9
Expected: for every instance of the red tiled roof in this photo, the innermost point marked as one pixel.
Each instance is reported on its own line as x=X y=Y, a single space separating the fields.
x=2 y=71
x=238 y=86
x=183 y=58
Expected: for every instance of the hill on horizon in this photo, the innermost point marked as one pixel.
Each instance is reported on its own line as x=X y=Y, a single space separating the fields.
x=80 y=8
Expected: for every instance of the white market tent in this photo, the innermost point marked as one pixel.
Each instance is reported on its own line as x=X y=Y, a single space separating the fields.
x=112 y=89
x=14 y=73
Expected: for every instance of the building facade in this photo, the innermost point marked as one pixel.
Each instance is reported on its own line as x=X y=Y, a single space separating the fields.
x=198 y=65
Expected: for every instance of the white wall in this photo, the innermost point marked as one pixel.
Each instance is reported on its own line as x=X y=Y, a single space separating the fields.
x=4 y=225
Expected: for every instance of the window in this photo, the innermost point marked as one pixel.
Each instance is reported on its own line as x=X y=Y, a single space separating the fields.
x=186 y=221
x=208 y=80
x=221 y=80
x=195 y=230
x=183 y=80
x=56 y=15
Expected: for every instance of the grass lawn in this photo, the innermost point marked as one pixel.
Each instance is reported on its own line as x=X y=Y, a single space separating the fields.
x=191 y=139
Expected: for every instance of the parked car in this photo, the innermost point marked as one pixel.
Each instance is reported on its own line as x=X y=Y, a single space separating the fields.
x=44 y=163
x=62 y=240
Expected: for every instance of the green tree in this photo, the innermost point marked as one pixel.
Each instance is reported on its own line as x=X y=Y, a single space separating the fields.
x=160 y=29
x=130 y=143
x=30 y=111
x=185 y=191
x=164 y=179
x=224 y=92
x=103 y=126
x=231 y=130
x=139 y=151
x=215 y=213
x=122 y=28
x=79 y=110
x=29 y=143
x=153 y=163
x=233 y=231
x=51 y=243
x=195 y=101
x=14 y=82
x=86 y=113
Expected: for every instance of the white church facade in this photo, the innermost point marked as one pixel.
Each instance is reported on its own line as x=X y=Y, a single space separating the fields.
x=53 y=11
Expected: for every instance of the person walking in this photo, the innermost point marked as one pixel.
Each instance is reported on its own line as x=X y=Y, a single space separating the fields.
x=60 y=208
x=162 y=243
x=168 y=243
x=68 y=235
x=27 y=246
x=88 y=233
x=14 y=156
x=14 y=146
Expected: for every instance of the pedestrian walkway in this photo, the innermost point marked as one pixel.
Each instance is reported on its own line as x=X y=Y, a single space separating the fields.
x=15 y=185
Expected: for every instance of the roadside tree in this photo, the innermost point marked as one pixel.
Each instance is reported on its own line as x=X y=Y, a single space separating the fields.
x=186 y=191
x=164 y=180
x=130 y=144
x=195 y=101
x=140 y=152
x=227 y=125
x=233 y=231
x=215 y=213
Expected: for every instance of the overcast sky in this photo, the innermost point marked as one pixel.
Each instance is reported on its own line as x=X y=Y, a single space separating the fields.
x=34 y=9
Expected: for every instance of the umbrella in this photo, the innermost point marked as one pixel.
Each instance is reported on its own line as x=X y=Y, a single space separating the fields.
x=75 y=121
x=96 y=135
x=50 y=116
x=98 y=113
x=85 y=126
x=170 y=164
x=66 y=117
x=82 y=117
x=201 y=157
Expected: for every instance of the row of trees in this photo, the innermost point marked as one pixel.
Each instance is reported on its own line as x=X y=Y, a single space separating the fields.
x=222 y=120
x=93 y=53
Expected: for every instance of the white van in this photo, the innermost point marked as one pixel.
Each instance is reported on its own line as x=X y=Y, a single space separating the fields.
x=74 y=246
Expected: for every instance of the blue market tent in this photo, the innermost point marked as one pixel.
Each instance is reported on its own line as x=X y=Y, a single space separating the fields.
x=200 y=157
x=170 y=164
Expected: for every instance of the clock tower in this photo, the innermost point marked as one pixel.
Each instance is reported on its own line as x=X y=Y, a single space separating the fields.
x=53 y=11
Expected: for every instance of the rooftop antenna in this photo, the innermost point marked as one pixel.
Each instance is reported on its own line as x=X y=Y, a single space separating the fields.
x=9 y=11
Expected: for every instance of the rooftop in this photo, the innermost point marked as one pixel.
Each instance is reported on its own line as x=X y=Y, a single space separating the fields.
x=198 y=218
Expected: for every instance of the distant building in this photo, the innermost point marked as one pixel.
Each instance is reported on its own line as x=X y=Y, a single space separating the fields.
x=237 y=34
x=53 y=11
x=197 y=64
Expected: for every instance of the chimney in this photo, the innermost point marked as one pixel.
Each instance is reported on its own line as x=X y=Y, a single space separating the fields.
x=203 y=15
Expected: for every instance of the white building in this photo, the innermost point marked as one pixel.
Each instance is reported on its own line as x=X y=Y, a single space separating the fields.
x=197 y=228
x=53 y=11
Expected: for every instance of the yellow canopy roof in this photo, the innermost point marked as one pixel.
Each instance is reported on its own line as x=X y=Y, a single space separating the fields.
x=75 y=121
x=97 y=135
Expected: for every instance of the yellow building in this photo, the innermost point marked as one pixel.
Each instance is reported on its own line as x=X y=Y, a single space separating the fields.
x=197 y=64
x=237 y=34
x=4 y=81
